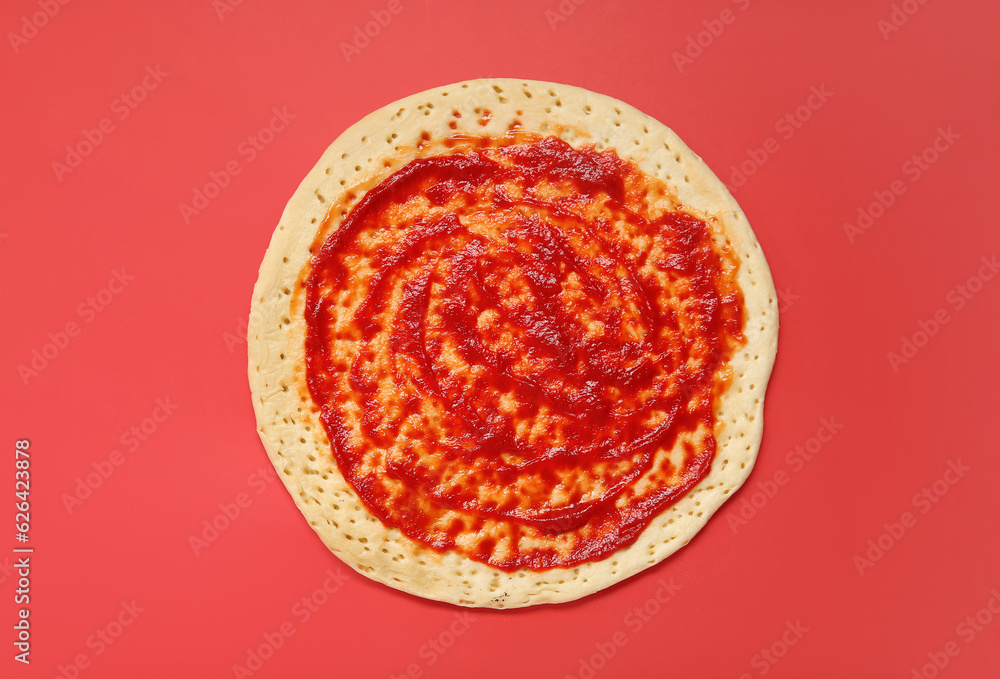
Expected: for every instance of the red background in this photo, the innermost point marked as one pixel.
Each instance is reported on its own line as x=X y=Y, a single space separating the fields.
x=172 y=332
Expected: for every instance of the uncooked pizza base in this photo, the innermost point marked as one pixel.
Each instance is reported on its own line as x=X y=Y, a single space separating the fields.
x=288 y=421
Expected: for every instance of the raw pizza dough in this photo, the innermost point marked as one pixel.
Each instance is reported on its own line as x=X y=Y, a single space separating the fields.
x=288 y=421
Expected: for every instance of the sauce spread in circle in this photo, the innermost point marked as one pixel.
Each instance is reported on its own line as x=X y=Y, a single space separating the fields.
x=516 y=348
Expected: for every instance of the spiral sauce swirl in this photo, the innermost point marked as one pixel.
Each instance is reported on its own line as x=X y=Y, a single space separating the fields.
x=516 y=347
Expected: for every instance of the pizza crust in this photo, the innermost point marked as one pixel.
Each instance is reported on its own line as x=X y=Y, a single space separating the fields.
x=288 y=422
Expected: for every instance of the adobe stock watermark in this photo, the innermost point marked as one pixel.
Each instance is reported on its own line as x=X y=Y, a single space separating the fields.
x=786 y=298
x=224 y=7
x=32 y=23
x=258 y=482
x=912 y=169
x=435 y=647
x=121 y=107
x=302 y=611
x=87 y=311
x=560 y=13
x=923 y=501
x=786 y=126
x=635 y=620
x=6 y=570
x=970 y=627
x=365 y=33
x=238 y=337
x=754 y=499
x=956 y=299
x=247 y=151
x=696 y=44
x=769 y=656
x=899 y=14
x=131 y=440
x=102 y=639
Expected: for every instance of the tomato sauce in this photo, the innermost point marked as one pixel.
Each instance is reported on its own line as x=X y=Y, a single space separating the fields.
x=507 y=340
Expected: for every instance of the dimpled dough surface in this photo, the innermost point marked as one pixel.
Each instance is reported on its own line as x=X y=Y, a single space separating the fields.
x=288 y=421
